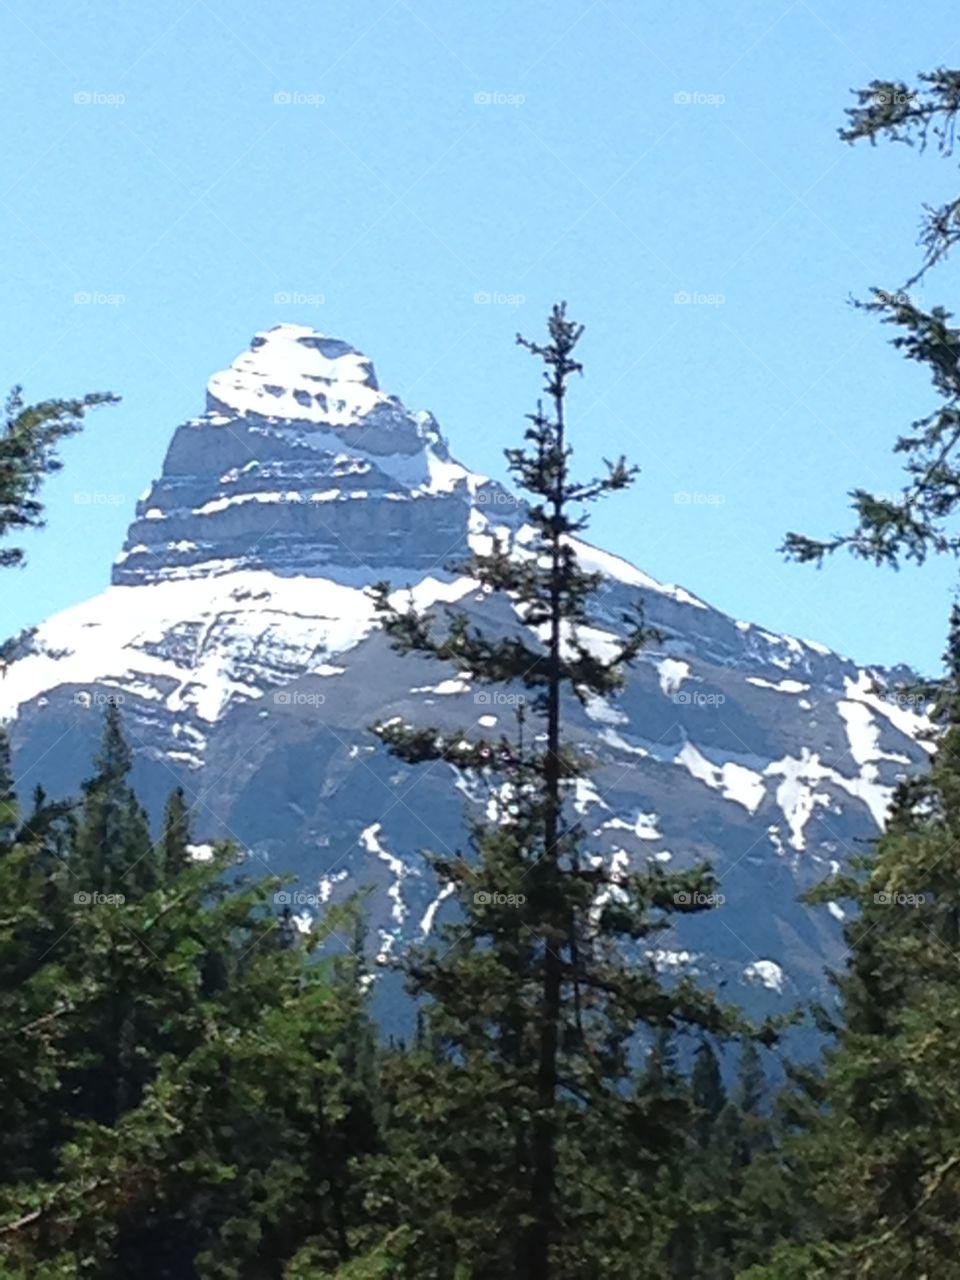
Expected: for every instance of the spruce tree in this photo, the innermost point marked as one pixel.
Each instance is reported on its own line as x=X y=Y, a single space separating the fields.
x=918 y=521
x=113 y=852
x=181 y=1098
x=877 y=1164
x=29 y=437
x=175 y=854
x=875 y=1161
x=8 y=799
x=158 y=1121
x=537 y=995
x=707 y=1091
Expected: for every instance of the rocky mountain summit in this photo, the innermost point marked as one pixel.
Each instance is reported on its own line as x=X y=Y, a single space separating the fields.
x=239 y=637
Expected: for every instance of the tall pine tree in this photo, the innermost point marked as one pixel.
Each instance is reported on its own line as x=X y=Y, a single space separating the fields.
x=526 y=1128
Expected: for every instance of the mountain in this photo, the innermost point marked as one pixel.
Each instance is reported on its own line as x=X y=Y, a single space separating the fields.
x=238 y=636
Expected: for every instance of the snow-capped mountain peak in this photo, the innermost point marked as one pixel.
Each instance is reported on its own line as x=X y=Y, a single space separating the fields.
x=238 y=635
x=295 y=372
x=301 y=464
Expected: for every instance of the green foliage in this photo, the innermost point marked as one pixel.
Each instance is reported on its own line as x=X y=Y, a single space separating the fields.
x=184 y=1095
x=29 y=439
x=917 y=521
x=892 y=110
x=874 y=1160
x=879 y=1161
x=522 y=1141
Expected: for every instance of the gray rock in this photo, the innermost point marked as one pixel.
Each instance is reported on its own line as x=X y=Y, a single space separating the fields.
x=239 y=637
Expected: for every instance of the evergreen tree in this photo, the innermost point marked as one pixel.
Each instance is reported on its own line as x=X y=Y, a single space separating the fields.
x=661 y=1064
x=751 y=1090
x=730 y=1179
x=30 y=1001
x=528 y=1134
x=159 y=1123
x=880 y=1161
x=182 y=1099
x=113 y=852
x=874 y=1164
x=918 y=521
x=28 y=452
x=8 y=799
x=176 y=834
x=706 y=1086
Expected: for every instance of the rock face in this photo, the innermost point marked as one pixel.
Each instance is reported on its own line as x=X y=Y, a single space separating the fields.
x=239 y=637
x=301 y=465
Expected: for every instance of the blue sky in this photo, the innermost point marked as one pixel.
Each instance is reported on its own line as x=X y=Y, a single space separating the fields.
x=185 y=163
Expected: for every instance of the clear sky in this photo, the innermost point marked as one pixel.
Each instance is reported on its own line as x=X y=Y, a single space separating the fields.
x=185 y=165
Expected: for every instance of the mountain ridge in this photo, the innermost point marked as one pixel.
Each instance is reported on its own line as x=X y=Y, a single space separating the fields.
x=239 y=636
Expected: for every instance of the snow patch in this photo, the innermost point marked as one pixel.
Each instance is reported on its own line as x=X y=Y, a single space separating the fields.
x=768 y=972
x=782 y=686
x=735 y=781
x=672 y=673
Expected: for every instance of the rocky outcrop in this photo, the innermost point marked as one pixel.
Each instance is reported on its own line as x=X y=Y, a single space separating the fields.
x=239 y=638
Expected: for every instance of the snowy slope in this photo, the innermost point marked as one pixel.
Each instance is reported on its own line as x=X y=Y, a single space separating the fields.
x=239 y=639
